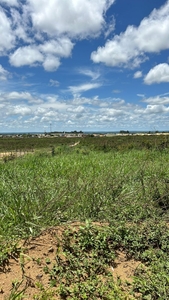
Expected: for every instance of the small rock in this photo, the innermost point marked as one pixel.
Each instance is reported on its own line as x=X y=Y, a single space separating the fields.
x=51 y=250
x=39 y=276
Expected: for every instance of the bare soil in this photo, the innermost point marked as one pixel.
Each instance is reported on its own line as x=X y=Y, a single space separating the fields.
x=12 y=153
x=27 y=270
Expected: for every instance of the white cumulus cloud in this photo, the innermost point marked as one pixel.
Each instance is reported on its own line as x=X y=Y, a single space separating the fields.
x=7 y=38
x=20 y=110
x=27 y=55
x=130 y=47
x=61 y=47
x=36 y=32
x=51 y=63
x=156 y=109
x=20 y=26
x=75 y=18
x=9 y=2
x=95 y=112
x=157 y=100
x=158 y=74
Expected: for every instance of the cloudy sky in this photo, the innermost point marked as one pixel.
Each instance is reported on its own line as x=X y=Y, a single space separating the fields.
x=90 y=65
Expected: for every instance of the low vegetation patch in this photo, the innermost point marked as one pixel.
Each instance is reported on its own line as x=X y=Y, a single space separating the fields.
x=120 y=252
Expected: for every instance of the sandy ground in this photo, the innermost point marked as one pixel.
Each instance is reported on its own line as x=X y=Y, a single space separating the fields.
x=13 y=153
x=28 y=268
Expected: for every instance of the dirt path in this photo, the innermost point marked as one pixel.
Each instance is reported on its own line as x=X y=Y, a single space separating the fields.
x=13 y=153
x=77 y=143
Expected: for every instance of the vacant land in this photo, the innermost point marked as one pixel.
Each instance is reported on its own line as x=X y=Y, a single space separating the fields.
x=85 y=222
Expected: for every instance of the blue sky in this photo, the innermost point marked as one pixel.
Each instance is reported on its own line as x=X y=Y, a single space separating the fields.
x=90 y=65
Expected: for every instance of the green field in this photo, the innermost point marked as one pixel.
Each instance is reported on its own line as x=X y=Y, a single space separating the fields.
x=121 y=182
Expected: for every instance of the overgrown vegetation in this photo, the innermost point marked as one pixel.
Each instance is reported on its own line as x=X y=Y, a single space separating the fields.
x=122 y=182
x=117 y=143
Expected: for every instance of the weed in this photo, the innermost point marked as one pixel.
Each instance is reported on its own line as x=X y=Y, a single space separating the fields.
x=43 y=294
x=8 y=250
x=15 y=294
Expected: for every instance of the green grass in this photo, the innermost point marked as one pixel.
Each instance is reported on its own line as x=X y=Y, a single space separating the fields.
x=106 y=144
x=41 y=190
x=129 y=189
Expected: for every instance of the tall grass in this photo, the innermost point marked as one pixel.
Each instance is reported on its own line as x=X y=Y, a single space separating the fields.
x=129 y=189
x=43 y=190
